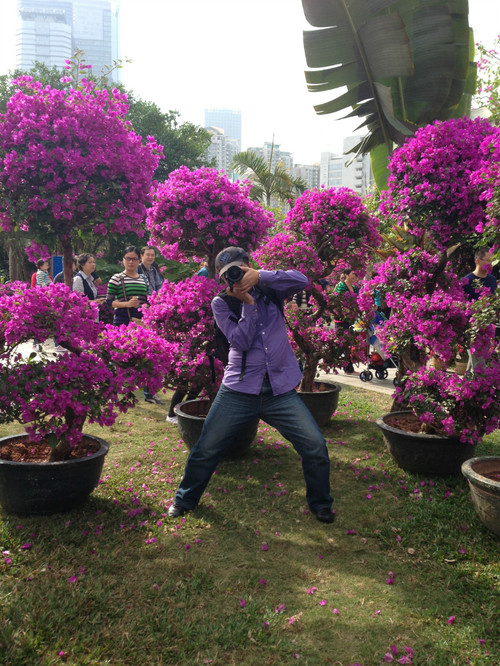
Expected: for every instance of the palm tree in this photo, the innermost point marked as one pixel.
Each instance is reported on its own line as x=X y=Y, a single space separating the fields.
x=278 y=184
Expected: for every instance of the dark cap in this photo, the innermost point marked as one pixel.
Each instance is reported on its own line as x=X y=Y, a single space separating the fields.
x=230 y=256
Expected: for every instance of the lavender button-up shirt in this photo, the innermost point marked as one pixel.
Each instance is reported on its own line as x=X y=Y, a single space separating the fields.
x=261 y=332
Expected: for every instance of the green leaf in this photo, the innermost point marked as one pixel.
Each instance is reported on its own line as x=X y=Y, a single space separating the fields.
x=405 y=63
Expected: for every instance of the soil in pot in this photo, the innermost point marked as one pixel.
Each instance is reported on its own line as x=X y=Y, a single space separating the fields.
x=19 y=450
x=44 y=487
x=419 y=452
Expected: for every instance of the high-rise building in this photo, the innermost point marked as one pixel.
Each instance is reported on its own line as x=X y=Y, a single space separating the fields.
x=309 y=173
x=50 y=31
x=227 y=119
x=339 y=171
x=222 y=150
x=272 y=155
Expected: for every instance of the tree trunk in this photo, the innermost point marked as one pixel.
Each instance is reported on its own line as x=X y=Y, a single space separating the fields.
x=18 y=269
x=67 y=251
x=309 y=373
x=411 y=360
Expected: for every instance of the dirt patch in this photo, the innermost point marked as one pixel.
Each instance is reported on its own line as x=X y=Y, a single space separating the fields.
x=21 y=450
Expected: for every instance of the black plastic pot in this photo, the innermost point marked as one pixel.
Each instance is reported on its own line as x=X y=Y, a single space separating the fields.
x=28 y=488
x=191 y=416
x=423 y=453
x=485 y=490
x=321 y=404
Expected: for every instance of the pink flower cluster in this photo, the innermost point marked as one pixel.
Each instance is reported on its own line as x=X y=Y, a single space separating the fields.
x=487 y=180
x=181 y=313
x=430 y=188
x=200 y=212
x=38 y=314
x=336 y=223
x=466 y=407
x=69 y=159
x=432 y=317
x=94 y=380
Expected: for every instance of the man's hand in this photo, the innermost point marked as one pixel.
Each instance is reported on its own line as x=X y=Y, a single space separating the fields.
x=241 y=290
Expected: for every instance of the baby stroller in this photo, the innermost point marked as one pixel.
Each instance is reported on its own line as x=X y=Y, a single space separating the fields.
x=376 y=359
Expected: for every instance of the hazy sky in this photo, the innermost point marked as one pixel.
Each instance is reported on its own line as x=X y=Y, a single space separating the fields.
x=195 y=54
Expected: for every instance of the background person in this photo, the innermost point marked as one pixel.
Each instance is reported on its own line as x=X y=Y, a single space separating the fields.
x=347 y=285
x=259 y=380
x=42 y=274
x=203 y=271
x=127 y=292
x=83 y=281
x=60 y=276
x=473 y=284
x=149 y=268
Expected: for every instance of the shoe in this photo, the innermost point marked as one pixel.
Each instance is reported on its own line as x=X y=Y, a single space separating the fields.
x=175 y=511
x=171 y=419
x=154 y=400
x=325 y=515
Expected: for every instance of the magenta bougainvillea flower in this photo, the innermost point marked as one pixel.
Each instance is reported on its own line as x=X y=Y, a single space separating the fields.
x=198 y=213
x=93 y=380
x=69 y=160
x=430 y=188
x=181 y=313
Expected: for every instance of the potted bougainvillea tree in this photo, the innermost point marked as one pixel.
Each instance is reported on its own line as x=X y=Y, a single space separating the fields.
x=434 y=194
x=196 y=214
x=325 y=231
x=70 y=163
x=55 y=466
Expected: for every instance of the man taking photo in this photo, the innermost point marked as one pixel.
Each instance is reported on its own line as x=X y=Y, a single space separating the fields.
x=259 y=380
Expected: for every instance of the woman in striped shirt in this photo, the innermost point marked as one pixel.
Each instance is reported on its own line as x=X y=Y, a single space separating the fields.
x=128 y=290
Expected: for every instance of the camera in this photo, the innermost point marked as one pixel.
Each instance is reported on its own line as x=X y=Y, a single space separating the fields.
x=234 y=274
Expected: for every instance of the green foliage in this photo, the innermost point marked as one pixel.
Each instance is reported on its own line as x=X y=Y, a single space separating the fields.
x=268 y=186
x=183 y=143
x=488 y=84
x=404 y=63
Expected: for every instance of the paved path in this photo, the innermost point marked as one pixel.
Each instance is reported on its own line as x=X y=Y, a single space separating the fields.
x=380 y=385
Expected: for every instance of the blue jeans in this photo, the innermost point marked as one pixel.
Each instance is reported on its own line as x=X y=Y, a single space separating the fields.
x=230 y=412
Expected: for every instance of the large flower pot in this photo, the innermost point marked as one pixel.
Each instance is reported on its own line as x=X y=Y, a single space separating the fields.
x=191 y=416
x=483 y=475
x=33 y=488
x=322 y=402
x=420 y=452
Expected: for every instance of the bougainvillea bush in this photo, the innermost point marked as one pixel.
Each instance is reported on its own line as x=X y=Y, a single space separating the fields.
x=71 y=163
x=93 y=380
x=181 y=313
x=325 y=230
x=487 y=180
x=431 y=317
x=430 y=189
x=198 y=213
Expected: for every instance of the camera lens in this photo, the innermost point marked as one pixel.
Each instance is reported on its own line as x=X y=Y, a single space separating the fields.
x=234 y=274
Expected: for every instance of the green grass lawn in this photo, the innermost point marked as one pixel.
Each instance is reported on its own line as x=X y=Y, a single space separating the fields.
x=251 y=577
